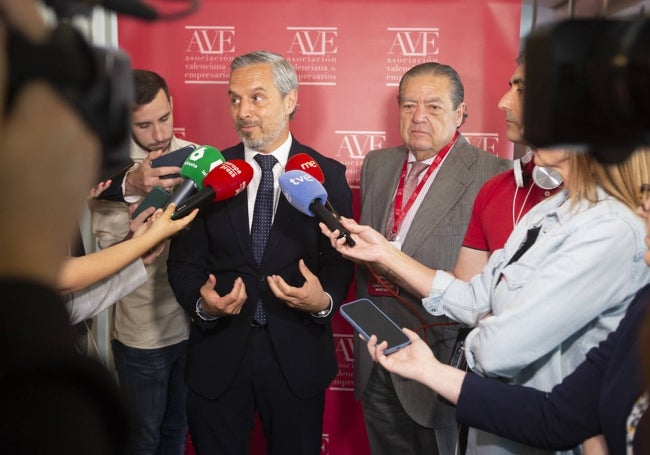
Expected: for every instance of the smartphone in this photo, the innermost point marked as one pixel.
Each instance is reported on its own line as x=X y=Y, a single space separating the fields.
x=157 y=198
x=368 y=319
x=175 y=158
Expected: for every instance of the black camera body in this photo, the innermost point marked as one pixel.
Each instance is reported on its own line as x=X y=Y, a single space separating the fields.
x=587 y=85
x=97 y=82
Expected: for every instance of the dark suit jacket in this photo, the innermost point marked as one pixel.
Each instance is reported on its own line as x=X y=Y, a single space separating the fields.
x=434 y=239
x=596 y=398
x=218 y=242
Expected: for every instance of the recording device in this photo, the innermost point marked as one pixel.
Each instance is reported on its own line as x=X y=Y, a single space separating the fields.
x=587 y=86
x=95 y=81
x=368 y=320
x=175 y=158
x=304 y=162
x=157 y=198
x=196 y=167
x=223 y=182
x=307 y=195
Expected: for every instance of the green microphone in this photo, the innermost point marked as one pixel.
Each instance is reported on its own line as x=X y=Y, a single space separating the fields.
x=196 y=166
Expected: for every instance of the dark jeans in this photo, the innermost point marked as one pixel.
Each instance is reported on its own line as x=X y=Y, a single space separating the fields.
x=154 y=382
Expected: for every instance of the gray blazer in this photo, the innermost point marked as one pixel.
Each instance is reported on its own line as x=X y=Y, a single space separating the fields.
x=434 y=238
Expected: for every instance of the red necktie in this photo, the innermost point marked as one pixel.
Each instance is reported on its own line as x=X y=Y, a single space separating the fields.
x=410 y=183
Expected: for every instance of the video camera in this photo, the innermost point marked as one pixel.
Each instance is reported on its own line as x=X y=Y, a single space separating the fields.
x=587 y=85
x=96 y=81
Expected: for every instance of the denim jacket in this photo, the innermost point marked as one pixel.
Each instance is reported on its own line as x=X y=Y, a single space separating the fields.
x=537 y=317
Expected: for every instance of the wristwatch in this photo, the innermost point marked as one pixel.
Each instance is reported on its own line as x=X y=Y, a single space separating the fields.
x=326 y=312
x=200 y=312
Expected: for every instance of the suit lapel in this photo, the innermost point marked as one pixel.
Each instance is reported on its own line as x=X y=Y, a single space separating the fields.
x=237 y=208
x=384 y=171
x=282 y=213
x=445 y=191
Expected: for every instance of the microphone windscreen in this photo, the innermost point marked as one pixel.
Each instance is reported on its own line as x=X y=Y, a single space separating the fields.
x=229 y=179
x=301 y=189
x=199 y=163
x=304 y=162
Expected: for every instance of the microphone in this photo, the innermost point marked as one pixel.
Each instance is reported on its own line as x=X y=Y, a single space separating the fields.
x=223 y=182
x=304 y=162
x=308 y=195
x=196 y=167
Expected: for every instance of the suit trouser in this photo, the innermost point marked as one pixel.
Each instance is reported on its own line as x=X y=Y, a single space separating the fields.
x=223 y=426
x=391 y=430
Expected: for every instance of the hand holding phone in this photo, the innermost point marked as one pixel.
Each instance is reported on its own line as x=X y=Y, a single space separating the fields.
x=175 y=158
x=368 y=319
x=156 y=198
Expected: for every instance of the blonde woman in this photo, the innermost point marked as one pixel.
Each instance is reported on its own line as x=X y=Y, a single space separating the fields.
x=561 y=283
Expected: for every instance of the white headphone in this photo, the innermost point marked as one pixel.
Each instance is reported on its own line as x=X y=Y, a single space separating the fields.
x=544 y=177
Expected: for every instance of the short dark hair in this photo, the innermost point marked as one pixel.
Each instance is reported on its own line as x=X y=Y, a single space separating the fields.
x=147 y=84
x=521 y=58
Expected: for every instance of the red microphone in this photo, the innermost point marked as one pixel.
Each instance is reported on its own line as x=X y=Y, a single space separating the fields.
x=304 y=162
x=223 y=182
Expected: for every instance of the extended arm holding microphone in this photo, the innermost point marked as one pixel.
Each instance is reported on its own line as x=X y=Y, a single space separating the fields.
x=307 y=195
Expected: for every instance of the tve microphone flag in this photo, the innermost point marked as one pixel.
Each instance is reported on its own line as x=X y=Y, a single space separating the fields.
x=309 y=196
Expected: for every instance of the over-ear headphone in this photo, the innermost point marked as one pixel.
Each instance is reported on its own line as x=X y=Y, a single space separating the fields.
x=544 y=177
x=522 y=176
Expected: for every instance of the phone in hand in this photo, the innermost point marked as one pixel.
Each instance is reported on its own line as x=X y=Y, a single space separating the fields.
x=368 y=319
x=157 y=198
x=174 y=158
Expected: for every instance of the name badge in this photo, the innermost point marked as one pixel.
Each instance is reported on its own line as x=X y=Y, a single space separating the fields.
x=382 y=288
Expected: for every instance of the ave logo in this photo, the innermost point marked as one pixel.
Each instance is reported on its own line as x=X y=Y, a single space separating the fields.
x=356 y=144
x=414 y=42
x=211 y=39
x=313 y=40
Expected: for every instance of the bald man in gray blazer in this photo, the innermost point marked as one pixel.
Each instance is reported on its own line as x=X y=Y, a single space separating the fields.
x=403 y=416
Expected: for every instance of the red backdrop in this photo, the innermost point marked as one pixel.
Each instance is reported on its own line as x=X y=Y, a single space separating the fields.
x=349 y=55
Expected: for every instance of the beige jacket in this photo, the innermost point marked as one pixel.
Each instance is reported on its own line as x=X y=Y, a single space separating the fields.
x=149 y=317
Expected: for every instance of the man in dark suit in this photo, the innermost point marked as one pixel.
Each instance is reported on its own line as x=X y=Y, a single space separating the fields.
x=261 y=336
x=427 y=224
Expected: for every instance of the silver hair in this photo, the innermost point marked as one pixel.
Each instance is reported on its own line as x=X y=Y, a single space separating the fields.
x=285 y=78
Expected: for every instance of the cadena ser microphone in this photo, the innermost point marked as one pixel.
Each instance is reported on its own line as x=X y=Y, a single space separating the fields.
x=196 y=167
x=308 y=195
x=304 y=162
x=226 y=180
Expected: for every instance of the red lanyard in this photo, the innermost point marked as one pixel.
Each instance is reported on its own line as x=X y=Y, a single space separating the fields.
x=400 y=212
